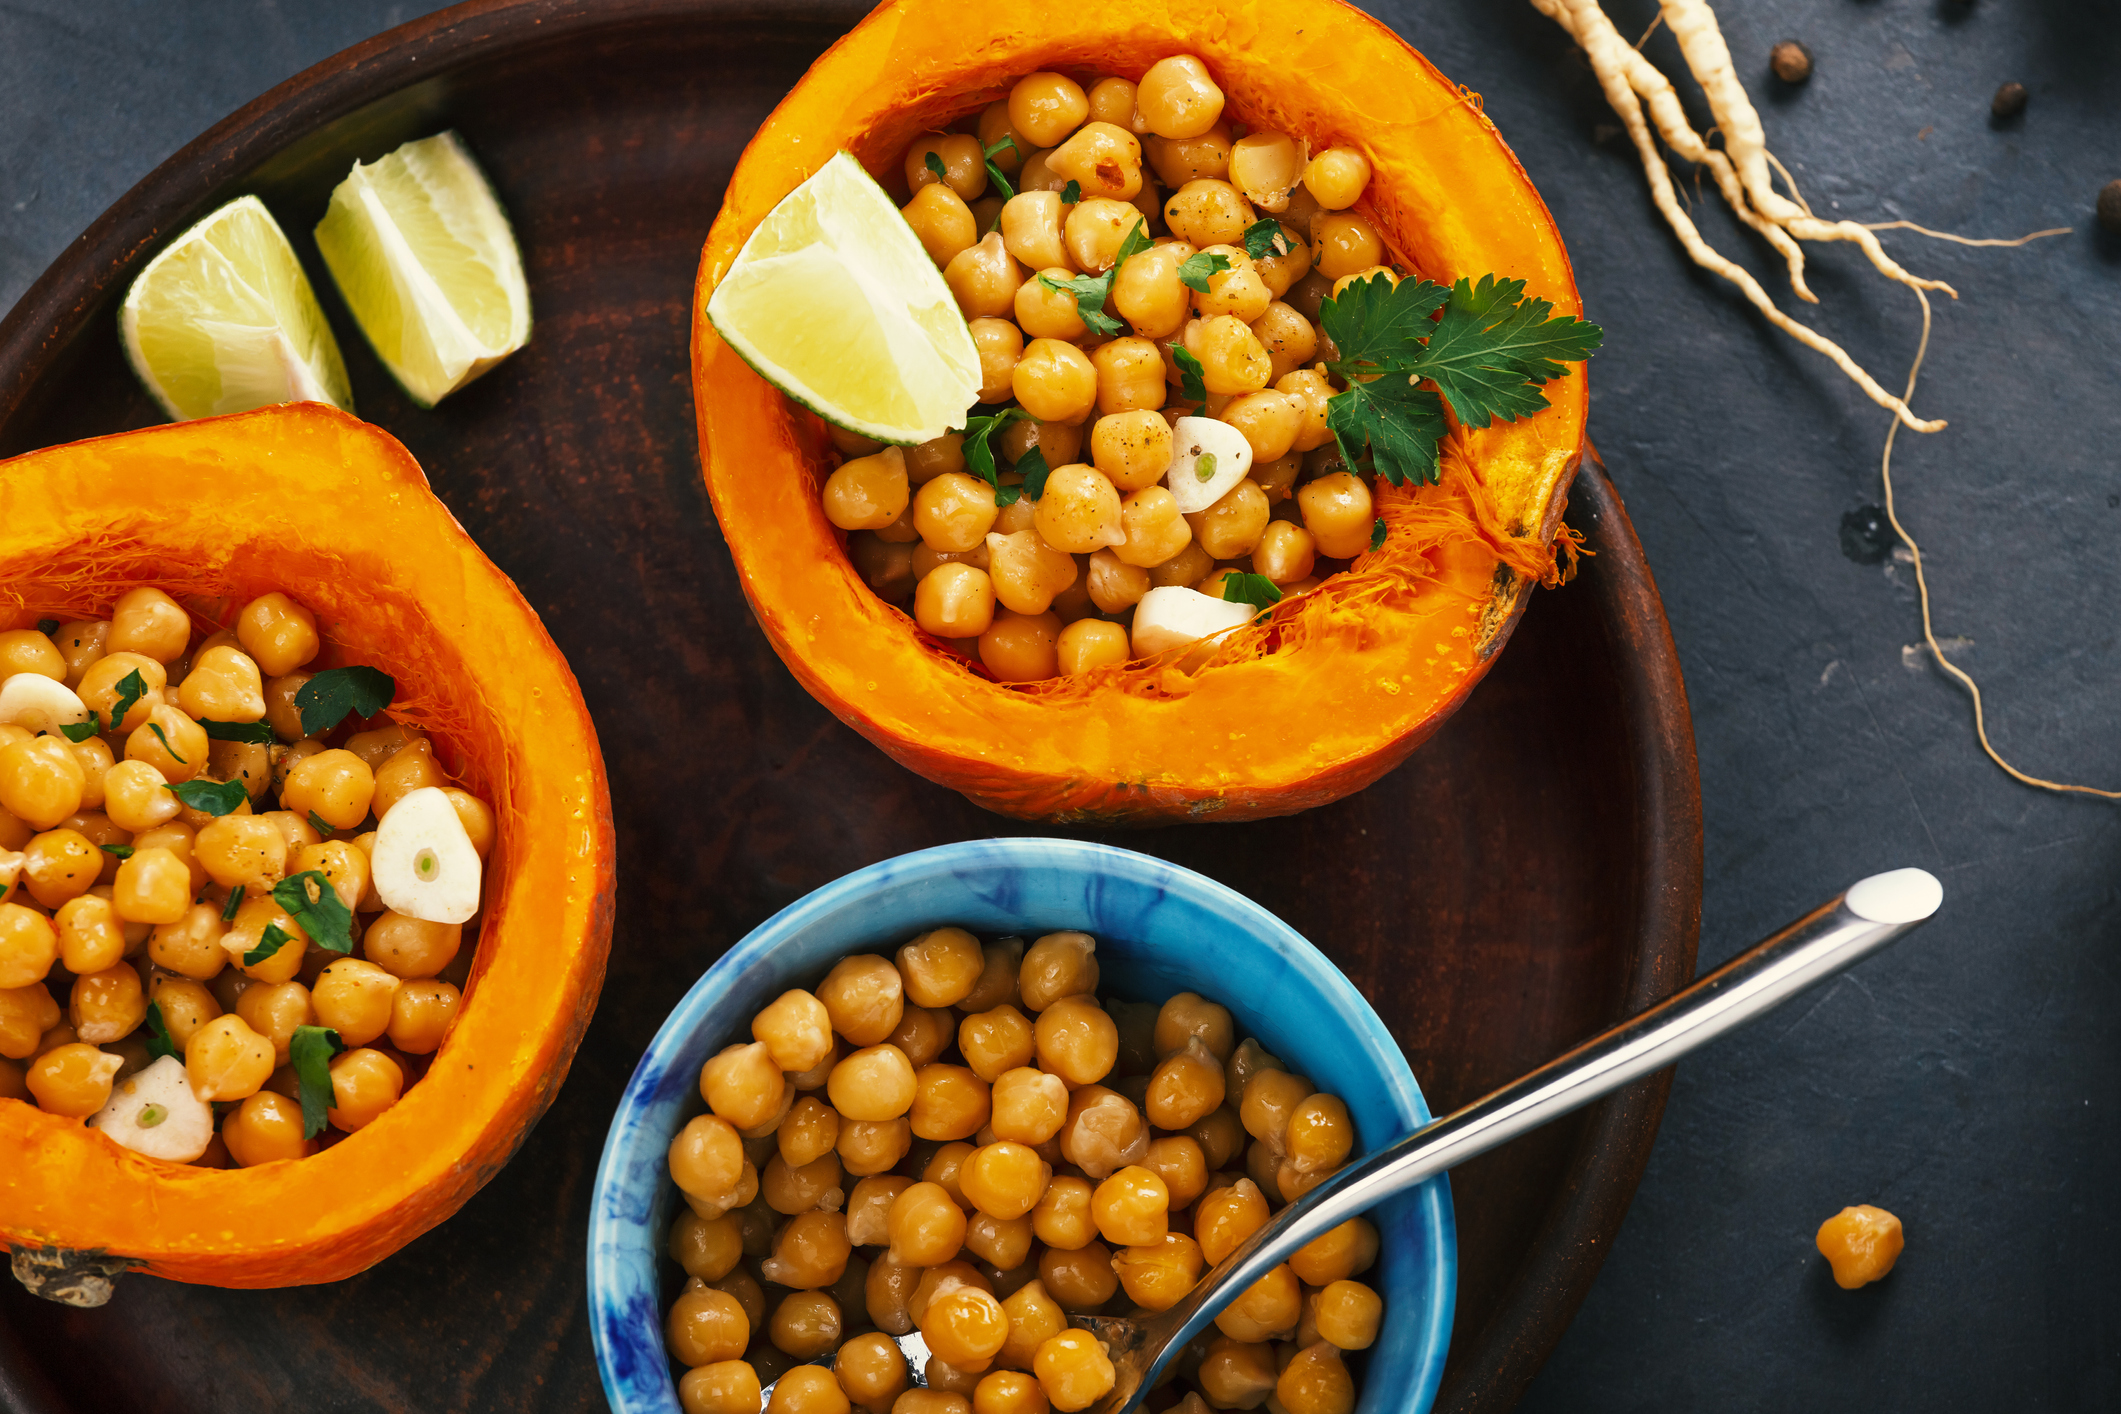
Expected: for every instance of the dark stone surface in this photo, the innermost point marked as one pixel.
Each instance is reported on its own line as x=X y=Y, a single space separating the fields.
x=1967 y=1082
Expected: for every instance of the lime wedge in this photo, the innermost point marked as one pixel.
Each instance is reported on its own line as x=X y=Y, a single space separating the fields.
x=834 y=302
x=425 y=259
x=224 y=321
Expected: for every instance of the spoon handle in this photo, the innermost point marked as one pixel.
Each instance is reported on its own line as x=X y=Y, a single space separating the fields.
x=1873 y=913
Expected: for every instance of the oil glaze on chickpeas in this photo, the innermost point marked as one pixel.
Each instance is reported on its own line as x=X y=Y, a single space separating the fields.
x=1162 y=157
x=143 y=924
x=964 y=1138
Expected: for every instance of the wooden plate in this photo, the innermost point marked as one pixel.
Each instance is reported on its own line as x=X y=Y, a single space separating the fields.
x=1531 y=874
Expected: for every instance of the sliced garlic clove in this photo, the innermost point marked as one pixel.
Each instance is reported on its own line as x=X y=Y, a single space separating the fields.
x=424 y=864
x=155 y=1113
x=1173 y=615
x=1224 y=451
x=37 y=703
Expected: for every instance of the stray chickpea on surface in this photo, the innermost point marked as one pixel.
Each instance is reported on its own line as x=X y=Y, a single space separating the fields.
x=1861 y=1244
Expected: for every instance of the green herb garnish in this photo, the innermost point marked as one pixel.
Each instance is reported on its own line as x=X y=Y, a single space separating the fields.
x=79 y=731
x=254 y=733
x=935 y=165
x=319 y=823
x=1091 y=291
x=1254 y=589
x=131 y=688
x=1071 y=193
x=119 y=851
x=1194 y=271
x=156 y=728
x=1488 y=356
x=326 y=918
x=235 y=902
x=979 y=454
x=1377 y=534
x=269 y=942
x=159 y=1043
x=1192 y=378
x=47 y=627
x=326 y=698
x=1264 y=238
x=310 y=1052
x=1034 y=470
x=994 y=173
x=214 y=797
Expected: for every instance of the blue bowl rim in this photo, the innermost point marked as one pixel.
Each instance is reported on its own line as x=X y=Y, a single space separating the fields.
x=693 y=1010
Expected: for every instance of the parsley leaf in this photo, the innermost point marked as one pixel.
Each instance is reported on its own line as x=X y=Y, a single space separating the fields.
x=935 y=165
x=235 y=902
x=310 y=1052
x=1035 y=471
x=1192 y=378
x=214 y=797
x=979 y=455
x=130 y=690
x=1193 y=273
x=79 y=731
x=1254 y=589
x=47 y=627
x=1091 y=291
x=1264 y=238
x=269 y=942
x=156 y=728
x=1071 y=193
x=255 y=733
x=1487 y=356
x=327 y=919
x=159 y=1041
x=995 y=176
x=1377 y=534
x=117 y=851
x=318 y=823
x=326 y=698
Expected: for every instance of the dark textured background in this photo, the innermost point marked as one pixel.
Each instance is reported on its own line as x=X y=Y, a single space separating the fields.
x=1968 y=1082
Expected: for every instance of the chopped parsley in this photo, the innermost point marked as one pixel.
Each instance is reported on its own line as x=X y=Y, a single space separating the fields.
x=1264 y=238
x=159 y=1042
x=1032 y=466
x=1091 y=291
x=254 y=733
x=1254 y=589
x=1377 y=534
x=131 y=688
x=994 y=173
x=213 y=797
x=979 y=456
x=163 y=736
x=326 y=698
x=118 y=851
x=326 y=918
x=235 y=902
x=310 y=1052
x=1193 y=273
x=79 y=731
x=319 y=823
x=1192 y=378
x=1071 y=193
x=269 y=942
x=935 y=165
x=47 y=627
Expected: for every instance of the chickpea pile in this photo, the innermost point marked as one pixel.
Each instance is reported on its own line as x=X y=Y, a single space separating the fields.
x=966 y=1142
x=1048 y=587
x=128 y=912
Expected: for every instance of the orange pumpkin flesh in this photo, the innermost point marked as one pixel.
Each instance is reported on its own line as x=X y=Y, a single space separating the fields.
x=1337 y=687
x=307 y=500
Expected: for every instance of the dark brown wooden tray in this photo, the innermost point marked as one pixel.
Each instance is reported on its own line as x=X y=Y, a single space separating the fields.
x=1533 y=873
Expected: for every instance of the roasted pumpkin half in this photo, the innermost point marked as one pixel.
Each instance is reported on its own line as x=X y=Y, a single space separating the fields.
x=1331 y=689
x=305 y=498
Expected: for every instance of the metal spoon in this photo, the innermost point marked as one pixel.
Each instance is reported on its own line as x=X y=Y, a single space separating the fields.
x=1874 y=912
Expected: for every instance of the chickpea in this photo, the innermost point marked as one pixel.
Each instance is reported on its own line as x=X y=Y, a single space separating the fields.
x=1285 y=553
x=1316 y=1381
x=1312 y=389
x=278 y=634
x=871 y=1371
x=1059 y=443
x=1081 y=1279
x=926 y=1227
x=91 y=937
x=1266 y=1309
x=885 y=568
x=994 y=127
x=939 y=967
x=42 y=781
x=226 y=1060
x=336 y=786
x=1080 y=511
x=1180 y=160
x=1045 y=107
x=1346 y=1251
x=1290 y=341
x=1148 y=293
x=1029 y=1106
x=413 y=768
x=1090 y=644
x=1130 y=375
x=1338 y=512
x=869 y=1208
x=106 y=1006
x=1104 y=1131
x=964 y=164
x=807 y=1389
x=995 y=1040
x=242 y=851
x=965 y=1326
x=742 y=1085
x=1225 y=1217
x=1045 y=311
x=354 y=998
x=223 y=686
x=1077 y=1041
x=721 y=1387
x=1207 y=212
x=875 y=1083
x=863 y=996
x=1344 y=244
x=1320 y=1136
x=1011 y=1391
x=79 y=645
x=1337 y=177
x=185 y=1006
x=1094 y=231
x=1188 y=567
x=1232 y=359
x=273 y=1010
x=1027 y=572
x=1861 y=1244
x=1188 y=1016
x=796 y=1030
x=1266 y=167
x=1349 y=1314
x=1058 y=965
x=1103 y=158
x=410 y=948
x=1004 y=1180
x=96 y=762
x=1177 y=1159
x=1186 y=1087
x=98 y=689
x=1031 y=232
x=954 y=601
x=1281 y=273
x=148 y=622
x=153 y=886
x=1155 y=530
x=1132 y=449
x=1131 y=1207
x=707 y=1158
x=169 y=741
x=1229 y=529
x=1236 y=290
x=60 y=865
x=1000 y=345
x=1055 y=382
x=706 y=1327
x=1176 y=98
x=266 y=1128
x=1363 y=277
x=1115 y=585
x=28 y=650
x=868 y=493
x=1156 y=1275
x=72 y=1080
x=984 y=277
x=1236 y=1374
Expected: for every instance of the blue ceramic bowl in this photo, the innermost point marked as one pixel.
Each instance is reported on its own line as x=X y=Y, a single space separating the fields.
x=1160 y=929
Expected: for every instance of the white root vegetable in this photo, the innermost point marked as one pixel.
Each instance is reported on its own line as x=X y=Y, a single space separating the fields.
x=424 y=864
x=155 y=1113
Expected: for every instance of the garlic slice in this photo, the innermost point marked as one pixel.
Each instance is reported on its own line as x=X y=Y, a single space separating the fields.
x=1173 y=615
x=37 y=703
x=424 y=864
x=1223 y=447
x=155 y=1113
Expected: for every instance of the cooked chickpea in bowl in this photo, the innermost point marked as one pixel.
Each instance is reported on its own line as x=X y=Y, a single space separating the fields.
x=238 y=900
x=1142 y=276
x=973 y=1133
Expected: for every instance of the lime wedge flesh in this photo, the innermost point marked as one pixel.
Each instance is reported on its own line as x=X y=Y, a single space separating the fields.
x=424 y=257
x=224 y=320
x=834 y=302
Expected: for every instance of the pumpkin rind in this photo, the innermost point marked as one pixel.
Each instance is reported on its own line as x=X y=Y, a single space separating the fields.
x=1383 y=653
x=306 y=499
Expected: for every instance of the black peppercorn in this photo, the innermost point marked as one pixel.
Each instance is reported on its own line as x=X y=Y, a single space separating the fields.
x=1791 y=61
x=2110 y=206
x=2009 y=101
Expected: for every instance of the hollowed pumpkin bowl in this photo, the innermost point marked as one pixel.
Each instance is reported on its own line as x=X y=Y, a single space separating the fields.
x=1160 y=929
x=1336 y=686
x=336 y=513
